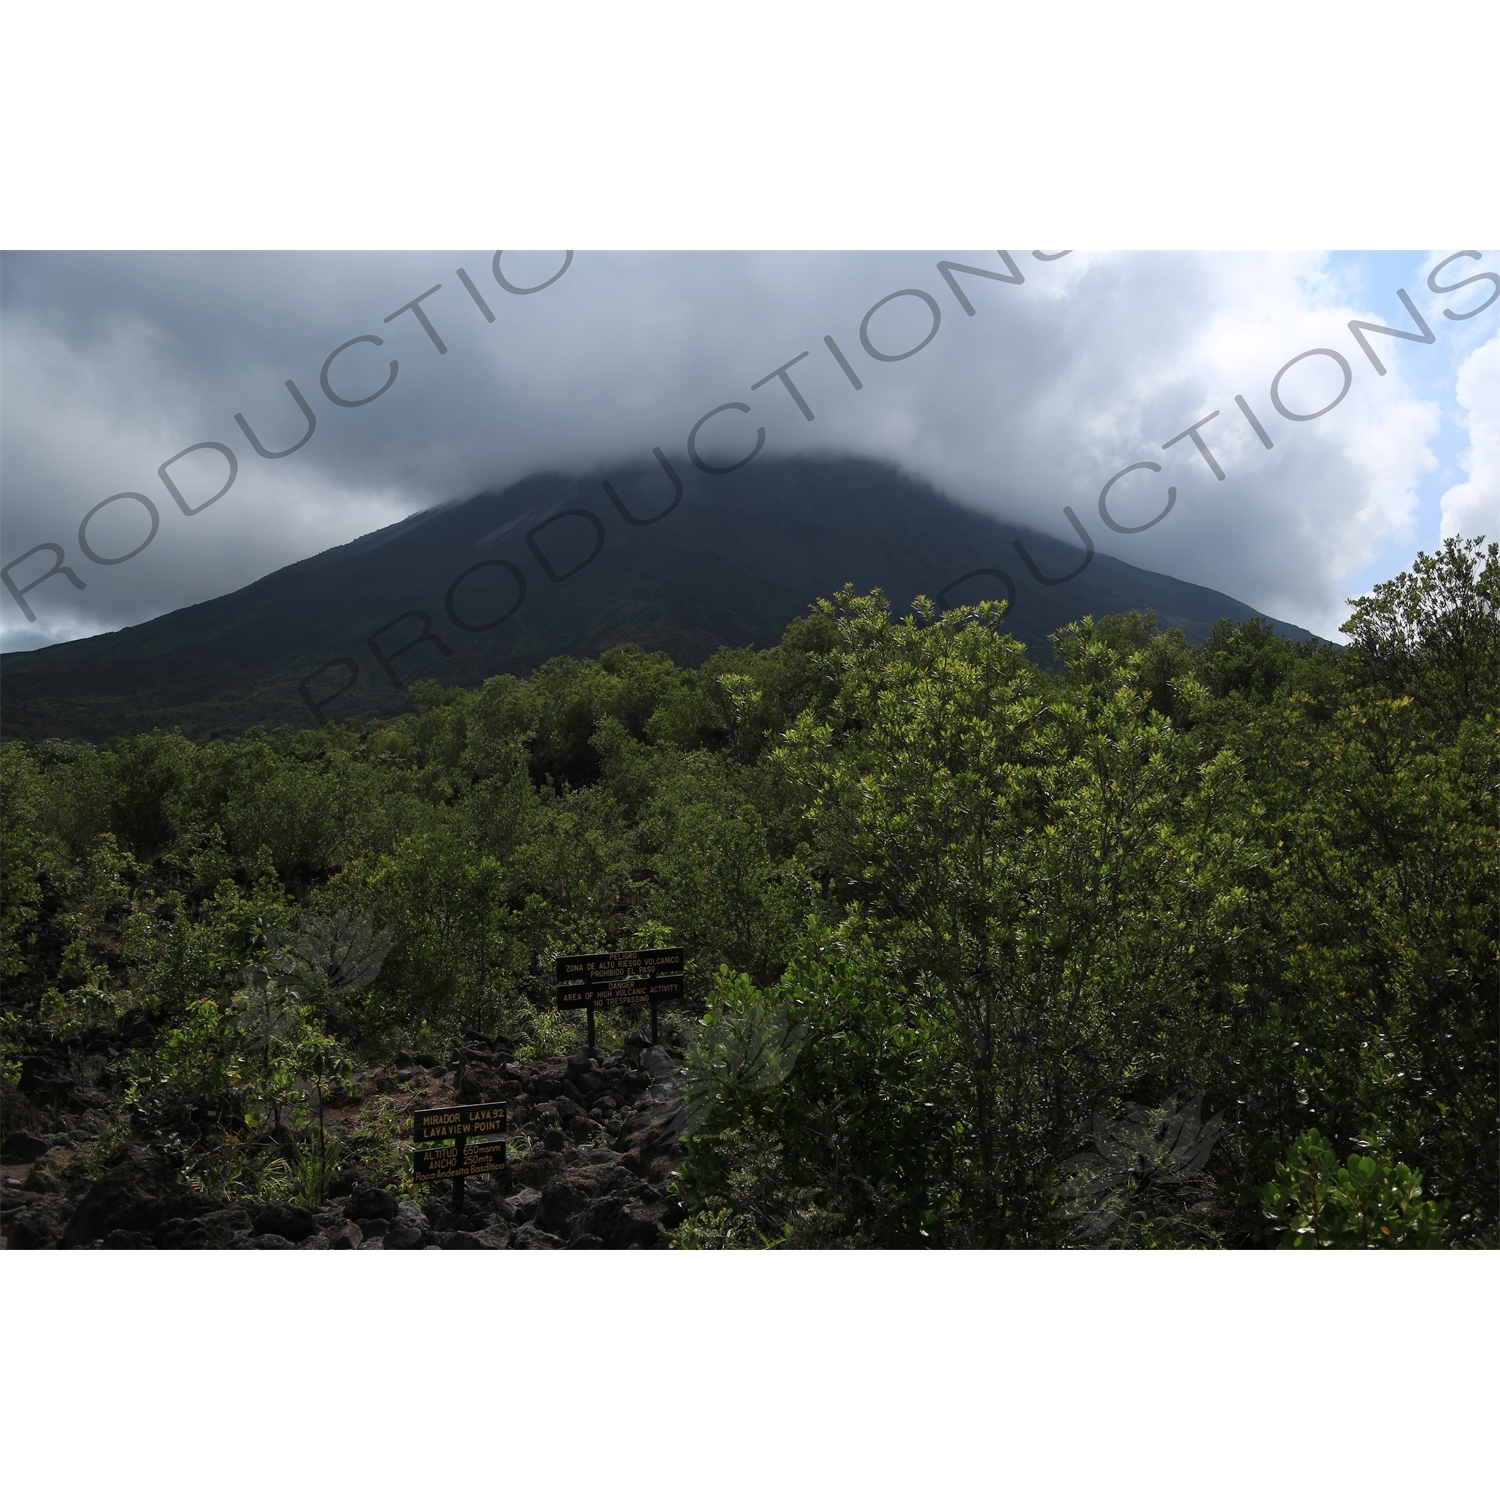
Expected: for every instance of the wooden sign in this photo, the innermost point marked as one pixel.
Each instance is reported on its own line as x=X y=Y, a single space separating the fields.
x=635 y=976
x=457 y=1122
x=638 y=963
x=466 y=1159
x=621 y=992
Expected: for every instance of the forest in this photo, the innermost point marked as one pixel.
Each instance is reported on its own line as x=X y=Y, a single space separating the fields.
x=1149 y=945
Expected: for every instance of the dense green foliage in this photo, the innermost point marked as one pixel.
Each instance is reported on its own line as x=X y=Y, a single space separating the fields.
x=956 y=925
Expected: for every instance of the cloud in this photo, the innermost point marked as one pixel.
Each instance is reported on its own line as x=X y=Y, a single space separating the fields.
x=1473 y=507
x=113 y=363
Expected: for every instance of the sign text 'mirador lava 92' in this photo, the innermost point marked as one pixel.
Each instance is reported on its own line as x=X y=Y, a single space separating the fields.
x=467 y=1156
x=457 y=1122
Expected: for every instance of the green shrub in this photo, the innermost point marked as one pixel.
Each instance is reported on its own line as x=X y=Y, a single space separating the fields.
x=819 y=1110
x=1315 y=1204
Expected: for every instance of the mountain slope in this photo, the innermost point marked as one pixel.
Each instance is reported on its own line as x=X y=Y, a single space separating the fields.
x=556 y=565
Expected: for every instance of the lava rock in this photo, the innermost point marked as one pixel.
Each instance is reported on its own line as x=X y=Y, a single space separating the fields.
x=569 y=1195
x=128 y=1239
x=345 y=1236
x=42 y=1078
x=41 y=1181
x=264 y=1242
x=478 y=1239
x=373 y=1228
x=290 y=1220
x=650 y=1143
x=405 y=1235
x=480 y=1085
x=529 y=1237
x=20 y=1115
x=657 y=1063
x=139 y=1191
x=40 y=1225
x=370 y=1203
x=523 y=1205
x=210 y=1231
x=22 y=1147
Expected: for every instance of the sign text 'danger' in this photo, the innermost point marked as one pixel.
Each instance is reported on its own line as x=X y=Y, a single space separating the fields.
x=621 y=992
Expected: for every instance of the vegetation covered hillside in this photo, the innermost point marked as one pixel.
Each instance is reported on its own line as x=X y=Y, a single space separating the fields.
x=555 y=566
x=1180 y=945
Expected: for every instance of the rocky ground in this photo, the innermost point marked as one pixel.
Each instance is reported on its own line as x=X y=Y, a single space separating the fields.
x=595 y=1144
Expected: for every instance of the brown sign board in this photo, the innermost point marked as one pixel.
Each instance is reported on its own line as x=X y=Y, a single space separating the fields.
x=467 y=1159
x=639 y=963
x=622 y=992
x=457 y=1122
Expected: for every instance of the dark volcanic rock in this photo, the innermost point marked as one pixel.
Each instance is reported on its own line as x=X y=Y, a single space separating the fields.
x=290 y=1220
x=22 y=1147
x=128 y=1239
x=370 y=1203
x=604 y=1201
x=38 y=1225
x=139 y=1191
x=41 y=1181
x=529 y=1237
x=523 y=1205
x=210 y=1231
x=539 y=1166
x=480 y=1085
x=19 y=1115
x=44 y=1079
x=651 y=1140
x=478 y=1239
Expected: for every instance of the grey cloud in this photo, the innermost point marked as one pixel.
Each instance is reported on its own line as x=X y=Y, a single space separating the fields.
x=112 y=363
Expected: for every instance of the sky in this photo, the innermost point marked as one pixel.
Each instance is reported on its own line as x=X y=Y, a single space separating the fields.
x=1082 y=365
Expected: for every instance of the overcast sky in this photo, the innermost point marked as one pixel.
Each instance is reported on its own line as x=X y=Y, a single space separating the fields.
x=115 y=362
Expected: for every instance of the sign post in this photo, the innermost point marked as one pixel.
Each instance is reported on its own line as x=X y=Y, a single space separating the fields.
x=643 y=976
x=463 y=1152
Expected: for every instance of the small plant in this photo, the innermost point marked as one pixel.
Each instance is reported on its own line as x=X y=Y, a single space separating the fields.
x=314 y=1164
x=379 y=1148
x=277 y=1181
x=1315 y=1204
x=1143 y=1152
x=545 y=1032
